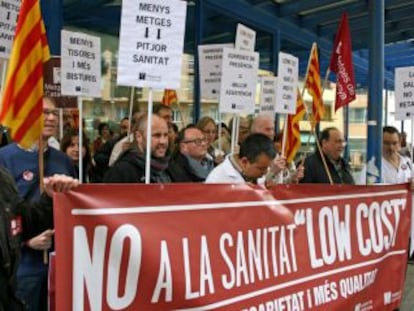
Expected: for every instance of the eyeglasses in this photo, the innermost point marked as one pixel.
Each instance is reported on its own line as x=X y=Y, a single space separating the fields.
x=54 y=112
x=197 y=141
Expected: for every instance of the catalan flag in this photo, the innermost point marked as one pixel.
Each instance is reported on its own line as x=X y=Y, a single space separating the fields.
x=22 y=104
x=293 y=141
x=313 y=85
x=170 y=97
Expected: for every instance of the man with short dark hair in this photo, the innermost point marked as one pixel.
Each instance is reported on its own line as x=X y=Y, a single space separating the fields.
x=256 y=154
x=130 y=167
x=332 y=143
x=190 y=162
x=395 y=167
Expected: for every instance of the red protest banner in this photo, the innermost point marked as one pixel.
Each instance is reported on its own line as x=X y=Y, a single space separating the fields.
x=177 y=247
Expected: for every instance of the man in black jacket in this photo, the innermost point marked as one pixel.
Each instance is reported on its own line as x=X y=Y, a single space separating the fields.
x=332 y=143
x=22 y=220
x=190 y=163
x=130 y=166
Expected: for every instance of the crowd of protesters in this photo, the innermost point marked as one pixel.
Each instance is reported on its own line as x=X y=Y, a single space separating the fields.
x=194 y=153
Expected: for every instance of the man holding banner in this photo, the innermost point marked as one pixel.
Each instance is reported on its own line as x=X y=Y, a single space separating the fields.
x=21 y=219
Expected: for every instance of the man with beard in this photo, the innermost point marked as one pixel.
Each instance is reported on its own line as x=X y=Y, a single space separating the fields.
x=130 y=167
x=24 y=168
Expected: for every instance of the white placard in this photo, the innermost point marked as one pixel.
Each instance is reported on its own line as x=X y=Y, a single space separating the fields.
x=245 y=38
x=210 y=59
x=9 y=11
x=81 y=64
x=268 y=95
x=404 y=93
x=238 y=81
x=287 y=84
x=151 y=43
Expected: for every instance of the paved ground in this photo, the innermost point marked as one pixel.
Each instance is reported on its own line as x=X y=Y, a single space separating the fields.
x=408 y=295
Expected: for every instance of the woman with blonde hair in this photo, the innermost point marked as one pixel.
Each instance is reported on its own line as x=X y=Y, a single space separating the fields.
x=208 y=126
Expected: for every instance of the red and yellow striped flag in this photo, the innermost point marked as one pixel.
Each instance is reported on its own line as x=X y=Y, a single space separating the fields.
x=170 y=97
x=313 y=85
x=22 y=104
x=293 y=141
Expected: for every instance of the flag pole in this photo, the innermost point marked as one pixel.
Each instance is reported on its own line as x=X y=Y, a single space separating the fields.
x=233 y=134
x=80 y=164
x=285 y=126
x=60 y=123
x=314 y=125
x=306 y=106
x=148 y=145
x=131 y=104
x=285 y=130
x=325 y=81
x=323 y=160
x=3 y=77
x=219 y=130
x=41 y=184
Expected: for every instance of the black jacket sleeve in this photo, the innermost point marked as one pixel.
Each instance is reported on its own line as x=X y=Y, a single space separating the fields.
x=36 y=216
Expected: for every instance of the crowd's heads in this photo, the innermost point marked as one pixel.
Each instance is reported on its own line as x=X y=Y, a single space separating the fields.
x=391 y=141
x=256 y=154
x=332 y=142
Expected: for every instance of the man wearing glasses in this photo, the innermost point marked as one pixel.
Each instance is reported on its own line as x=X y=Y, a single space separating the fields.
x=24 y=168
x=332 y=143
x=190 y=162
